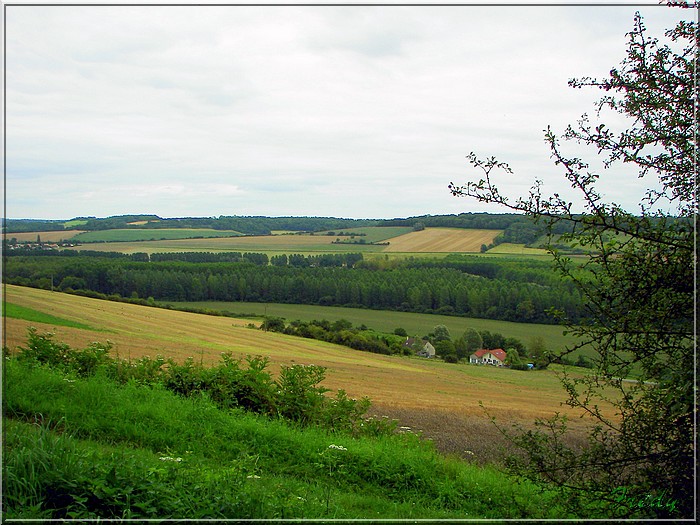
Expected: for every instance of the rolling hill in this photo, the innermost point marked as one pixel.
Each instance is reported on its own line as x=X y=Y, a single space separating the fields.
x=441 y=399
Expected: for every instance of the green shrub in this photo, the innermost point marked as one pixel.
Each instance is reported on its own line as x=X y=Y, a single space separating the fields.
x=300 y=397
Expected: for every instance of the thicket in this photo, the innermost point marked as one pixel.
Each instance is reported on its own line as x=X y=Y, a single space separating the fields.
x=340 y=332
x=523 y=292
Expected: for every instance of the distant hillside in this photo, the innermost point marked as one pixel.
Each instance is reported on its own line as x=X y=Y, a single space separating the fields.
x=260 y=225
x=245 y=225
x=516 y=228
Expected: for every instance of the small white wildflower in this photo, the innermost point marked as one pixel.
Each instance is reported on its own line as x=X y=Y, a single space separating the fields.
x=168 y=458
x=337 y=447
x=469 y=452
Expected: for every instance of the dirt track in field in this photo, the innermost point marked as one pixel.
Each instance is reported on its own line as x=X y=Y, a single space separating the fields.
x=440 y=399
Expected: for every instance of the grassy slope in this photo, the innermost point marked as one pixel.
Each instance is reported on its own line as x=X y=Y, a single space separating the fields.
x=139 y=452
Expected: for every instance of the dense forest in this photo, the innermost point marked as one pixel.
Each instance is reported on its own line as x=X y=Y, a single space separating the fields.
x=520 y=291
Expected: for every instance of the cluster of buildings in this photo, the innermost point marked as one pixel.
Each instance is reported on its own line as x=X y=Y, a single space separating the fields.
x=494 y=357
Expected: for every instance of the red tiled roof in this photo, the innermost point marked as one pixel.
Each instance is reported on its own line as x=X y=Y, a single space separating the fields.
x=498 y=352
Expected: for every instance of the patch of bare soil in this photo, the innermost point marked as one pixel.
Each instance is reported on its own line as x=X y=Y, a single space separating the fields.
x=471 y=437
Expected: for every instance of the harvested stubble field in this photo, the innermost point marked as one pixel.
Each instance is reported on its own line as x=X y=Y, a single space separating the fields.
x=49 y=236
x=442 y=240
x=439 y=399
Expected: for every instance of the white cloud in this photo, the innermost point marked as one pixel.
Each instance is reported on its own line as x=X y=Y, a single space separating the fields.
x=348 y=111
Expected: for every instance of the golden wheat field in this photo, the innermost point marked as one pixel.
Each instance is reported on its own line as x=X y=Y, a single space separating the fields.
x=442 y=240
x=438 y=398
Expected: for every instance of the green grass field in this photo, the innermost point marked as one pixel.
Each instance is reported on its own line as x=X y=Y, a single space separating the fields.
x=388 y=321
x=130 y=235
x=74 y=223
x=371 y=234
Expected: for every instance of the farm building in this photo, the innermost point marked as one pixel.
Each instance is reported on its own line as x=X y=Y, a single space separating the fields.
x=425 y=349
x=496 y=357
x=428 y=350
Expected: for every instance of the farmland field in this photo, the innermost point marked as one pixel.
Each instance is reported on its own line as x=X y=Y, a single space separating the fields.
x=372 y=233
x=388 y=321
x=441 y=399
x=431 y=241
x=48 y=236
x=516 y=249
x=152 y=234
x=266 y=244
x=74 y=223
x=437 y=240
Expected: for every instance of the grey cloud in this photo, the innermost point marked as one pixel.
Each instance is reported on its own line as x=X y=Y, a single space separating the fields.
x=290 y=110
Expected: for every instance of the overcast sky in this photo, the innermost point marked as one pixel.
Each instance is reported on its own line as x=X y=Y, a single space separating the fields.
x=343 y=111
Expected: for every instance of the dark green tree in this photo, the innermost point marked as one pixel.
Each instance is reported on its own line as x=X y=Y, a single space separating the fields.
x=469 y=343
x=440 y=333
x=637 y=283
x=444 y=348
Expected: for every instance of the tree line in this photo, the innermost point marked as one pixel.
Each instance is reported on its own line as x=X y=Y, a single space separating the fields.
x=527 y=295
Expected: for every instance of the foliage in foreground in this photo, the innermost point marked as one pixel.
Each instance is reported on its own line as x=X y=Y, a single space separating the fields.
x=87 y=448
x=637 y=283
x=295 y=395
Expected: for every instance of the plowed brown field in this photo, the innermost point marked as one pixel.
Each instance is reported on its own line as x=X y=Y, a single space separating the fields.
x=440 y=399
x=440 y=240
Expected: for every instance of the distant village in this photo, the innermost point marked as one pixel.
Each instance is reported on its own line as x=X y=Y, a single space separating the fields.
x=14 y=244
